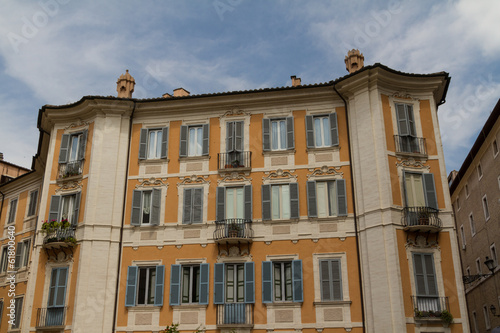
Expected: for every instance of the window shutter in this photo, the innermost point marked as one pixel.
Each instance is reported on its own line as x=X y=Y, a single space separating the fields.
x=55 y=205
x=238 y=136
x=430 y=190
x=402 y=121
x=160 y=282
x=297 y=281
x=33 y=202
x=405 y=198
x=63 y=151
x=206 y=138
x=219 y=283
x=204 y=283
x=341 y=197
x=184 y=143
x=175 y=285
x=266 y=202
x=221 y=198
x=294 y=201
x=164 y=142
x=130 y=291
x=230 y=136
x=334 y=129
x=197 y=205
x=76 y=209
x=419 y=274
x=249 y=282
x=188 y=206
x=430 y=275
x=325 y=280
x=143 y=144
x=136 y=208
x=248 y=202
x=156 y=207
x=336 y=280
x=290 y=137
x=312 y=210
x=26 y=253
x=266 y=135
x=267 y=282
x=19 y=253
x=12 y=211
x=83 y=144
x=309 y=132
x=411 y=122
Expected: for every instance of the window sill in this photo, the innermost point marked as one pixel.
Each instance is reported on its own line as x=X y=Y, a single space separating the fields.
x=328 y=219
x=189 y=306
x=410 y=154
x=327 y=303
x=318 y=149
x=279 y=152
x=144 y=308
x=288 y=221
x=194 y=158
x=284 y=304
x=154 y=160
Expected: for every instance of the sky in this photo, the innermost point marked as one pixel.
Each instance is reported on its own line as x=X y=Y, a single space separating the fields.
x=57 y=51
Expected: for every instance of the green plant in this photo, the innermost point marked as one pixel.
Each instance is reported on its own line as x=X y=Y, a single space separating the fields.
x=173 y=329
x=446 y=316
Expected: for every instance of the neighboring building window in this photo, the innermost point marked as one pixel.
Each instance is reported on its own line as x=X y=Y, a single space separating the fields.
x=458 y=202
x=145 y=285
x=495 y=148
x=322 y=131
x=472 y=224
x=467 y=270
x=57 y=296
x=474 y=320
x=33 y=203
x=493 y=252
x=18 y=308
x=408 y=142
x=326 y=198
x=486 y=209
x=12 y=211
x=234 y=283
x=331 y=280
x=486 y=317
x=280 y=201
x=479 y=171
x=193 y=206
x=4 y=260
x=478 y=266
x=194 y=140
x=22 y=253
x=278 y=134
x=420 y=190
x=425 y=282
x=282 y=281
x=189 y=284
x=146 y=206
x=153 y=143
x=462 y=233
x=234 y=203
x=466 y=190
x=65 y=207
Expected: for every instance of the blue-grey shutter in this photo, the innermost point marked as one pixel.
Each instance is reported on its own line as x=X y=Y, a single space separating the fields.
x=418 y=266
x=325 y=278
x=266 y=134
x=55 y=207
x=160 y=282
x=188 y=206
x=230 y=136
x=341 y=197
x=183 y=149
x=143 y=144
x=221 y=207
x=430 y=191
x=312 y=209
x=19 y=252
x=297 y=281
x=248 y=202
x=430 y=275
x=197 y=205
x=411 y=122
x=130 y=291
x=164 y=142
x=156 y=207
x=219 y=283
x=309 y=131
x=405 y=197
x=76 y=209
x=136 y=208
x=238 y=136
x=266 y=202
x=336 y=280
x=175 y=285
x=290 y=137
x=58 y=280
x=204 y=283
x=267 y=282
x=334 y=129
x=249 y=282
x=83 y=144
x=425 y=277
x=402 y=121
x=63 y=151
x=206 y=138
x=294 y=201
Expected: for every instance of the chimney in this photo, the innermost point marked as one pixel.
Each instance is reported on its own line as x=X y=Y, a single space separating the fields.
x=1 y=156
x=295 y=81
x=125 y=85
x=181 y=92
x=354 y=61
x=166 y=95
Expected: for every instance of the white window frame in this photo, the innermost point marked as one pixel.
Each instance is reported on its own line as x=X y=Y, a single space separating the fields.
x=282 y=203
x=192 y=148
x=327 y=195
x=156 y=153
x=323 y=133
x=32 y=204
x=478 y=266
x=472 y=225
x=237 y=298
x=279 y=134
x=486 y=209
x=71 y=150
x=143 y=192
x=71 y=208
x=190 y=286
x=462 y=233
x=12 y=214
x=479 y=171
x=342 y=256
x=148 y=288
x=235 y=203
x=180 y=194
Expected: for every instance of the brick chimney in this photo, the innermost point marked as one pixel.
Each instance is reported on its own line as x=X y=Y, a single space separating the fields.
x=354 y=61
x=295 y=81
x=125 y=85
x=181 y=92
x=1 y=156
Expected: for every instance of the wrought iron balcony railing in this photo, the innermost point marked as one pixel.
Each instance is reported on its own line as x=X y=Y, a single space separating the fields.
x=233 y=314
x=429 y=306
x=410 y=144
x=51 y=317
x=234 y=160
x=70 y=169
x=421 y=218
x=233 y=229
x=60 y=235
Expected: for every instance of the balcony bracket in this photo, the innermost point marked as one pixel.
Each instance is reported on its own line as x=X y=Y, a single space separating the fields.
x=54 y=251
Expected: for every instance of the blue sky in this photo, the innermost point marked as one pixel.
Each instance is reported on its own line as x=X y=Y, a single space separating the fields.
x=56 y=51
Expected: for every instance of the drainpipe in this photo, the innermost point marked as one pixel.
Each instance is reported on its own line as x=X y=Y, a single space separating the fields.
x=123 y=221
x=354 y=208
x=1 y=206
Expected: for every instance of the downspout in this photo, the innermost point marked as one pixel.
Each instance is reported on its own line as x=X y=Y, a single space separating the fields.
x=354 y=209
x=1 y=206
x=115 y=310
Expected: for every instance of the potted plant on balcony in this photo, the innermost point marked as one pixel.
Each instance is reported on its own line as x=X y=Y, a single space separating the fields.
x=446 y=317
x=233 y=230
x=424 y=217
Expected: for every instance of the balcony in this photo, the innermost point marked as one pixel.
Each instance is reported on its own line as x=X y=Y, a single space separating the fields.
x=59 y=240
x=51 y=318
x=234 y=161
x=233 y=231
x=70 y=169
x=410 y=145
x=235 y=315
x=424 y=219
x=430 y=308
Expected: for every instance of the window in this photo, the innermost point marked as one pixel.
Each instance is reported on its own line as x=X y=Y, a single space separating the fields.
x=5 y=260
x=278 y=134
x=485 y=208
x=322 y=131
x=408 y=142
x=280 y=201
x=146 y=206
x=326 y=198
x=478 y=266
x=458 y=202
x=33 y=203
x=189 y=284
x=18 y=309
x=234 y=203
x=486 y=317
x=474 y=320
x=72 y=153
x=462 y=233
x=472 y=224
x=467 y=270
x=153 y=143
x=22 y=253
x=420 y=190
x=282 y=281
x=331 y=280
x=234 y=283
x=1 y=311
x=57 y=296
x=194 y=140
x=479 y=171
x=193 y=206
x=495 y=148
x=493 y=252
x=145 y=285
x=65 y=207
x=427 y=297
x=466 y=190
x=12 y=211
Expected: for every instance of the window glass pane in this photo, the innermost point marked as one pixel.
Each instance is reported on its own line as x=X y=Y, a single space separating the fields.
x=240 y=203
x=274 y=135
x=285 y=201
x=414 y=190
x=332 y=198
x=146 y=207
x=282 y=134
x=230 y=283
x=67 y=207
x=185 y=284
x=318 y=133
x=275 y=202
x=192 y=141
x=151 y=285
x=326 y=131
x=73 y=155
x=141 y=290
x=277 y=282
x=288 y=281
x=230 y=198
x=321 y=195
x=151 y=146
x=158 y=144
x=196 y=284
x=241 y=284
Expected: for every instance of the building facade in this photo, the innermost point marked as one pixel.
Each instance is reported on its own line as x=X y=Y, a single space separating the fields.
x=306 y=208
x=475 y=193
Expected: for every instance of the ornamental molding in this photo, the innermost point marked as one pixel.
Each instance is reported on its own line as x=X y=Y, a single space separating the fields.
x=279 y=174
x=325 y=171
x=235 y=111
x=79 y=124
x=404 y=95
x=234 y=177
x=69 y=186
x=152 y=182
x=193 y=180
x=412 y=163
x=422 y=242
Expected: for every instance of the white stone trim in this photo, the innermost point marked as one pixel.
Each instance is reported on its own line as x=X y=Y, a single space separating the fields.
x=344 y=272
